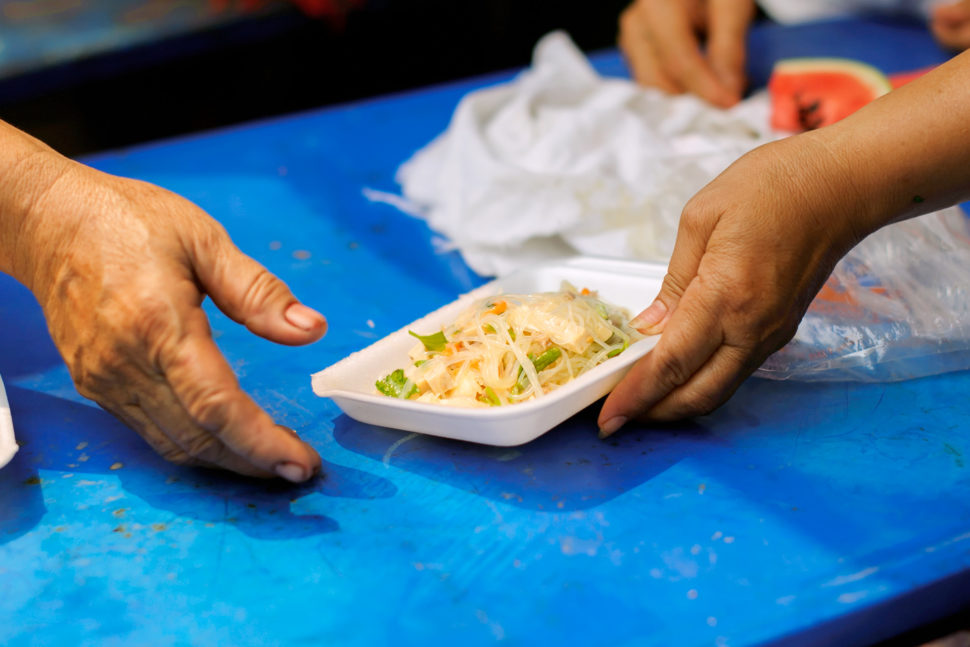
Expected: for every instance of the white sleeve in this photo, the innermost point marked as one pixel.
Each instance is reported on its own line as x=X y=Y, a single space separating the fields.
x=8 y=445
x=794 y=11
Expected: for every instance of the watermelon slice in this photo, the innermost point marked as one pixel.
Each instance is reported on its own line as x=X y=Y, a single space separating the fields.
x=808 y=93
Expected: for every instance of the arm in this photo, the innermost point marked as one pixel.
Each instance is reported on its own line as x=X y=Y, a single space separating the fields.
x=756 y=244
x=120 y=268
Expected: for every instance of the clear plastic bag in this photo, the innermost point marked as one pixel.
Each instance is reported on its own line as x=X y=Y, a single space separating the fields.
x=896 y=307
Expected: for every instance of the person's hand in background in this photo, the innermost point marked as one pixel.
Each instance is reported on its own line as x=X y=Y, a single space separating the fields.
x=120 y=268
x=695 y=46
x=756 y=244
x=950 y=24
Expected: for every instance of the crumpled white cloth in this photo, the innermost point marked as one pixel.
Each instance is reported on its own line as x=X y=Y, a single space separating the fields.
x=562 y=161
x=8 y=444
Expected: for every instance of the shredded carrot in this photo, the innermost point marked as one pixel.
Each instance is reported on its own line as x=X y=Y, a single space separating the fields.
x=585 y=292
x=498 y=308
x=452 y=347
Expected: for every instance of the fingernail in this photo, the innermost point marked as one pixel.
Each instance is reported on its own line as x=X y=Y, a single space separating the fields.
x=291 y=472
x=650 y=317
x=302 y=317
x=609 y=427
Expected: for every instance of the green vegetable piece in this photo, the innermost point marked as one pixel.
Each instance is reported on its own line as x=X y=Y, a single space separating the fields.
x=393 y=384
x=541 y=362
x=520 y=382
x=547 y=357
x=434 y=343
x=601 y=310
x=491 y=397
x=617 y=351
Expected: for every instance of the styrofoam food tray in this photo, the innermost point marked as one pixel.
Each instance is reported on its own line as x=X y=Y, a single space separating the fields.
x=350 y=382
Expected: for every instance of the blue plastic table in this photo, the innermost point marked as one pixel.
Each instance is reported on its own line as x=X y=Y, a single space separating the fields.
x=822 y=514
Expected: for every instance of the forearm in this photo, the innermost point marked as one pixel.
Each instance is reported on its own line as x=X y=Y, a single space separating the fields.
x=908 y=153
x=28 y=170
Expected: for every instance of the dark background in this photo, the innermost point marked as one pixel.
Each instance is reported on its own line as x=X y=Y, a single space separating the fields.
x=283 y=62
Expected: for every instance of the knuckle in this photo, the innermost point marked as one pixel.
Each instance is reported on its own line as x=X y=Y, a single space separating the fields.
x=754 y=318
x=264 y=288
x=157 y=331
x=692 y=405
x=696 y=213
x=206 y=232
x=209 y=406
x=671 y=370
x=203 y=446
x=152 y=319
x=673 y=284
x=96 y=373
x=177 y=456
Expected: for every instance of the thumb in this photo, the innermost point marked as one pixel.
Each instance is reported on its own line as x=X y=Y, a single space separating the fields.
x=250 y=294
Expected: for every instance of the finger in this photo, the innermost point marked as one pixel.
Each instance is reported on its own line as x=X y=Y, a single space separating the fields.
x=638 y=51
x=249 y=294
x=207 y=389
x=132 y=415
x=184 y=441
x=679 y=54
x=726 y=42
x=153 y=411
x=710 y=387
x=690 y=339
x=693 y=232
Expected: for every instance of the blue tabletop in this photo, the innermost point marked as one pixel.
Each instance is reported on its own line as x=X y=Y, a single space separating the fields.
x=798 y=514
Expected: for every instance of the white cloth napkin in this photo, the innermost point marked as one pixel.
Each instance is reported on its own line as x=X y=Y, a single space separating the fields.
x=562 y=161
x=8 y=445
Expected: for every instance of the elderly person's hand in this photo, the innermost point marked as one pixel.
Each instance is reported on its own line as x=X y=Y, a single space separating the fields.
x=695 y=46
x=756 y=244
x=950 y=24
x=120 y=268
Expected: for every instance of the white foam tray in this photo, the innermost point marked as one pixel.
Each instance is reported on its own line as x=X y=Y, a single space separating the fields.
x=350 y=382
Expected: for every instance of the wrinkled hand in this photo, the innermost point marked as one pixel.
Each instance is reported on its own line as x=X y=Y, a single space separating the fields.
x=752 y=250
x=662 y=41
x=121 y=268
x=950 y=24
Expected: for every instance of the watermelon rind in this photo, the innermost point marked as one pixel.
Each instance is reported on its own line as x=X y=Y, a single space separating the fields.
x=867 y=74
x=808 y=93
